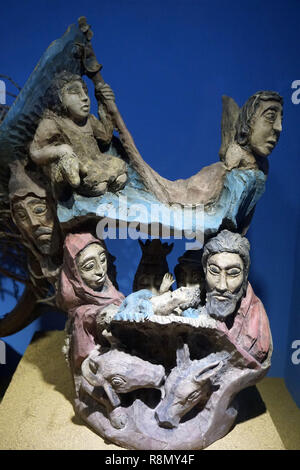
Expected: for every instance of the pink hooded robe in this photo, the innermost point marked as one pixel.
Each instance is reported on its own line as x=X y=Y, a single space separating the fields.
x=81 y=302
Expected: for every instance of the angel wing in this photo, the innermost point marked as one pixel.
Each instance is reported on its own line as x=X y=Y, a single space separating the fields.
x=230 y=115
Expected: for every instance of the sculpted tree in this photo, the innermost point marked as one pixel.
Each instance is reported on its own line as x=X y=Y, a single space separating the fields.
x=16 y=275
x=18 y=266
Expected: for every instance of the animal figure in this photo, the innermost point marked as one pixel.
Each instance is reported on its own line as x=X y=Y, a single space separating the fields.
x=107 y=375
x=188 y=384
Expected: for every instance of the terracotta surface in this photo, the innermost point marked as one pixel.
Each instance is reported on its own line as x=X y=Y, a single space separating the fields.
x=36 y=411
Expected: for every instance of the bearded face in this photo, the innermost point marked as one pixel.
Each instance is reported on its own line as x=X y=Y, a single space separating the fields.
x=36 y=222
x=225 y=278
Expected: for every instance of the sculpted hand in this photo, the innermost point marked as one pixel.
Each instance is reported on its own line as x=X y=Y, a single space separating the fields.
x=105 y=92
x=167 y=281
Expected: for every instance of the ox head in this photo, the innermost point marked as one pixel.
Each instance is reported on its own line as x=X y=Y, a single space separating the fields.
x=188 y=384
x=118 y=372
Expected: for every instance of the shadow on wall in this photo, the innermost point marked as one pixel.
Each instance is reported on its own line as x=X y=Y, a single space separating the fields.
x=128 y=255
x=292 y=372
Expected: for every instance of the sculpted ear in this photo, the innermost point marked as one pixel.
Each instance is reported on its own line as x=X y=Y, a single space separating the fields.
x=183 y=355
x=208 y=371
x=89 y=375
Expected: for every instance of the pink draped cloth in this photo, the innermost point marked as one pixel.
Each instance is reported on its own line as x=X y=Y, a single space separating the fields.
x=250 y=330
x=81 y=302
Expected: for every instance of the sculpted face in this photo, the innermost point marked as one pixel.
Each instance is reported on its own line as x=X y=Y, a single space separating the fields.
x=76 y=100
x=224 y=282
x=266 y=128
x=92 y=266
x=34 y=218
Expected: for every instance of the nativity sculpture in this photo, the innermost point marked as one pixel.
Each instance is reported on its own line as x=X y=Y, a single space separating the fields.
x=162 y=367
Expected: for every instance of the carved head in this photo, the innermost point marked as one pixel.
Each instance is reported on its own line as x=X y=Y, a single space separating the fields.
x=226 y=264
x=119 y=372
x=84 y=267
x=92 y=265
x=68 y=96
x=33 y=211
x=259 y=123
x=189 y=384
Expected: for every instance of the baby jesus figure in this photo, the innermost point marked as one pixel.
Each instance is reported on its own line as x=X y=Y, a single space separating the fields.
x=66 y=141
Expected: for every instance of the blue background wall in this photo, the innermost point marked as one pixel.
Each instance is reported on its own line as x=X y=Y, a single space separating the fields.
x=169 y=63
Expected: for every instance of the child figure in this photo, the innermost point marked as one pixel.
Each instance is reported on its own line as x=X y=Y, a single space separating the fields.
x=66 y=141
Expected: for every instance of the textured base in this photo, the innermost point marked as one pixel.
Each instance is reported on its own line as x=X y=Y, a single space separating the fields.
x=37 y=413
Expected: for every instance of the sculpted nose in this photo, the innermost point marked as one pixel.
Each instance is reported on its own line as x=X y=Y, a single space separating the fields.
x=100 y=270
x=102 y=267
x=278 y=125
x=84 y=98
x=222 y=284
x=34 y=222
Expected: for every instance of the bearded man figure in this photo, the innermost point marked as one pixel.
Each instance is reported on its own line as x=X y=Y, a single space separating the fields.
x=229 y=296
x=34 y=214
